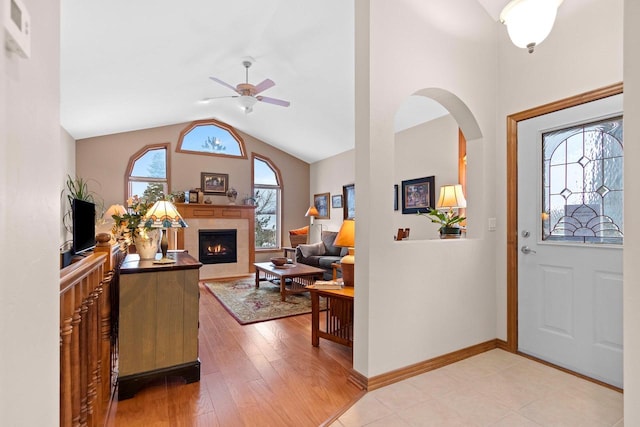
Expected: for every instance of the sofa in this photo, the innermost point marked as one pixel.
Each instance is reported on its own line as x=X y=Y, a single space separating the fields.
x=321 y=254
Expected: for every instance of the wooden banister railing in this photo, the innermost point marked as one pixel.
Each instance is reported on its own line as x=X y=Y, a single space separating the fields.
x=87 y=337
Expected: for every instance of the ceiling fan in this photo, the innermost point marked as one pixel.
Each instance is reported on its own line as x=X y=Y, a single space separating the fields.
x=247 y=93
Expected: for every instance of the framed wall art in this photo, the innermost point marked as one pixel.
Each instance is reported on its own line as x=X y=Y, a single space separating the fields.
x=418 y=195
x=321 y=202
x=349 y=201
x=336 y=201
x=214 y=183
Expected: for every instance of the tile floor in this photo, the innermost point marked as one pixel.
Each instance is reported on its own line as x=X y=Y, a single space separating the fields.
x=495 y=388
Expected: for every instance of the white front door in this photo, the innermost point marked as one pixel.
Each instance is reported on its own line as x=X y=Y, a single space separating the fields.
x=570 y=238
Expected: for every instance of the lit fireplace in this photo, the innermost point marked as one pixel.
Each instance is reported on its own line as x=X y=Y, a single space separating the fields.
x=217 y=246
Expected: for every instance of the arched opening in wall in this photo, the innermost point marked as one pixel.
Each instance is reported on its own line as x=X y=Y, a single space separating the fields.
x=432 y=128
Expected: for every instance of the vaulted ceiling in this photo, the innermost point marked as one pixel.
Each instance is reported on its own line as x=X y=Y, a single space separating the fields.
x=134 y=65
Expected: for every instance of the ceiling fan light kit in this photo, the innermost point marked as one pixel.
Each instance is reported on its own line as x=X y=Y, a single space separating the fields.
x=247 y=93
x=247 y=102
x=529 y=22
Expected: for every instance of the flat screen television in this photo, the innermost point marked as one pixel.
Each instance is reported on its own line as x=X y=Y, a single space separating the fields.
x=84 y=225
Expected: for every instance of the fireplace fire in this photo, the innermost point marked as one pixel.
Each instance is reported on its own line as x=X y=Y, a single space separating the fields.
x=217 y=246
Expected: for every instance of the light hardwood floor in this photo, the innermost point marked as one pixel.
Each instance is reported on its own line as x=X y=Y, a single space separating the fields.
x=265 y=374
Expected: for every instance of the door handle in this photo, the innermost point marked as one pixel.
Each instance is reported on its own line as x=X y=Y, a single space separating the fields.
x=527 y=250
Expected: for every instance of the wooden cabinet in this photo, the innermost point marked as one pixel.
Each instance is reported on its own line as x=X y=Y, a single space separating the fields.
x=158 y=322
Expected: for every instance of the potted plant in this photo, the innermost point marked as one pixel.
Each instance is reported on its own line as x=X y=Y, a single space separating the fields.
x=449 y=222
x=78 y=188
x=129 y=227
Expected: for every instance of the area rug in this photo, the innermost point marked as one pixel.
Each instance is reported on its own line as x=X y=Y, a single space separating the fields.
x=250 y=305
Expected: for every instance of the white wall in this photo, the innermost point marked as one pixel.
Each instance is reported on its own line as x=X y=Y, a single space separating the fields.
x=68 y=168
x=572 y=60
x=420 y=299
x=429 y=149
x=30 y=159
x=631 y=207
x=328 y=176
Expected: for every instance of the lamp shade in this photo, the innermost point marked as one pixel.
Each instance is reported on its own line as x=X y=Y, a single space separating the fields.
x=114 y=210
x=347 y=235
x=451 y=196
x=312 y=211
x=529 y=22
x=163 y=214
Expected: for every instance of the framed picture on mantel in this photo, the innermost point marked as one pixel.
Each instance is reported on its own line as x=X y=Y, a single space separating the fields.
x=214 y=183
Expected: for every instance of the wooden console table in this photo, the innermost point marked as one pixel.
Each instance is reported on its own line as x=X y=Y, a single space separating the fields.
x=158 y=321
x=339 y=321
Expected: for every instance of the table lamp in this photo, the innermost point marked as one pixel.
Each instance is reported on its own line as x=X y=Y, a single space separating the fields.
x=117 y=210
x=347 y=238
x=451 y=197
x=114 y=210
x=163 y=214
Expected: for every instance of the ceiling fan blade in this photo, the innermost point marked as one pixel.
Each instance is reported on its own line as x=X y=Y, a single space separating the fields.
x=273 y=101
x=266 y=84
x=217 y=80
x=218 y=97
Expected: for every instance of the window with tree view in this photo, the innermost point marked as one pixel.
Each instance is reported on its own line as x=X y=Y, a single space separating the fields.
x=583 y=183
x=210 y=137
x=266 y=195
x=147 y=172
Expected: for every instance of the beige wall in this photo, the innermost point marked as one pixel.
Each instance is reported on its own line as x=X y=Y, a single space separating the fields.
x=429 y=149
x=68 y=168
x=328 y=176
x=631 y=209
x=420 y=298
x=103 y=160
x=30 y=165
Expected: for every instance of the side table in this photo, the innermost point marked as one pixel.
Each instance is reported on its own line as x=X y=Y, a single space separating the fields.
x=339 y=321
x=289 y=250
x=335 y=266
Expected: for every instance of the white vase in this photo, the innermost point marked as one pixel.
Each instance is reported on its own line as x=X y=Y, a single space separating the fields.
x=147 y=247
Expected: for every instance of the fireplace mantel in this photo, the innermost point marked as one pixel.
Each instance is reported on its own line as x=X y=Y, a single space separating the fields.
x=202 y=211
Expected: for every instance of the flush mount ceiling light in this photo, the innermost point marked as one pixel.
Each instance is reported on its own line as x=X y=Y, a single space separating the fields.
x=529 y=22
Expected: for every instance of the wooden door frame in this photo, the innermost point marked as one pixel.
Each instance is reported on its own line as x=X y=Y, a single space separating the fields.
x=512 y=194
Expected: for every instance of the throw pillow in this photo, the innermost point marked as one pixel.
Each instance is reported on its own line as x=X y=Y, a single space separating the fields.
x=298 y=231
x=328 y=237
x=314 y=249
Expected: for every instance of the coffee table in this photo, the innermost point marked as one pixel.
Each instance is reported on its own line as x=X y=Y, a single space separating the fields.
x=293 y=277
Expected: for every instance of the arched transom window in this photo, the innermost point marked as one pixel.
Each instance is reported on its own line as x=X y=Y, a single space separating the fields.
x=211 y=138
